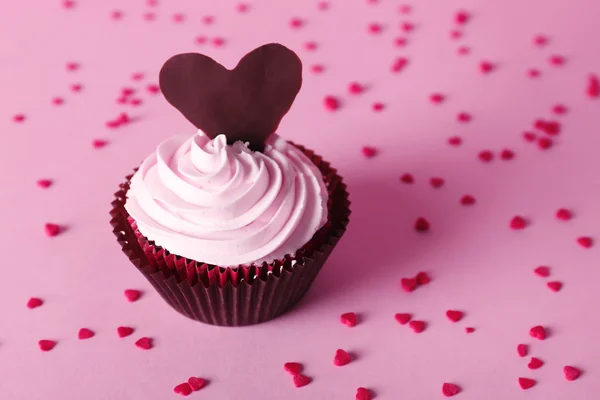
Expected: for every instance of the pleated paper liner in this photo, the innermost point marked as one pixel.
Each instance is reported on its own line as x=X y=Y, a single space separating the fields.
x=233 y=297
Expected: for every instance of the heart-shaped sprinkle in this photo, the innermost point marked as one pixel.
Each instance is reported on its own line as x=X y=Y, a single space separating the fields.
x=486 y=156
x=533 y=73
x=208 y=19
x=593 y=86
x=407 y=26
x=469 y=329
x=518 y=223
x=585 y=242
x=450 y=389
x=375 y=28
x=522 y=350
x=555 y=286
x=529 y=136
x=19 y=118
x=348 y=319
x=436 y=98
x=196 y=383
x=317 y=68
x=461 y=17
x=124 y=331
x=57 y=101
x=467 y=200
x=408 y=284
x=355 y=88
x=341 y=358
x=556 y=60
x=85 y=333
x=144 y=343
x=183 y=389
x=399 y=64
x=52 y=229
x=400 y=41
x=526 y=383
x=463 y=50
x=363 y=394
x=44 y=183
x=368 y=151
x=152 y=88
x=246 y=103
x=34 y=302
x=507 y=154
x=436 y=182
x=463 y=117
x=46 y=345
x=454 y=315
x=296 y=23
x=402 y=318
x=218 y=41
x=422 y=278
x=76 y=87
x=132 y=294
x=417 y=326
x=564 y=214
x=559 y=109
x=545 y=143
x=456 y=34
x=535 y=363
x=571 y=373
x=407 y=178
x=542 y=271
x=293 y=368
x=301 y=380
x=486 y=67
x=378 y=106
x=331 y=103
x=538 y=332
x=455 y=141
x=421 y=225
x=540 y=40
x=242 y=7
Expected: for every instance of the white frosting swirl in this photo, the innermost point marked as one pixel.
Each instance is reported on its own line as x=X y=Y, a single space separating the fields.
x=227 y=205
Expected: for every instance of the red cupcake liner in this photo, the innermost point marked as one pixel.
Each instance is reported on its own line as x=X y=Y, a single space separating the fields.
x=234 y=297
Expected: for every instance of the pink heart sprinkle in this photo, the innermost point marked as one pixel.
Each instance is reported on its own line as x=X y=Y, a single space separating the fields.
x=341 y=358
x=593 y=86
x=34 y=302
x=559 y=109
x=454 y=315
x=399 y=64
x=144 y=343
x=535 y=363
x=456 y=34
x=555 y=286
x=538 y=332
x=301 y=380
x=76 y=87
x=68 y=4
x=436 y=182
x=196 y=383
x=116 y=15
x=124 y=331
x=44 y=183
x=310 y=46
x=19 y=118
x=99 y=143
x=52 y=229
x=463 y=50
x=331 y=103
x=407 y=178
x=296 y=23
x=293 y=368
x=585 y=242
x=486 y=67
x=57 y=101
x=450 y=389
x=421 y=225
x=135 y=102
x=355 y=88
x=72 y=66
x=400 y=41
x=545 y=143
x=153 y=89
x=522 y=350
x=529 y=136
x=507 y=154
x=422 y=278
x=378 y=107
x=317 y=68
x=455 y=141
x=375 y=28
x=178 y=18
x=557 y=60
x=183 y=389
x=85 y=333
x=518 y=223
x=540 y=40
x=408 y=284
x=467 y=200
x=348 y=319
x=137 y=76
x=149 y=16
x=526 y=383
x=46 y=345
x=469 y=329
x=323 y=5
x=486 y=156
x=571 y=373
x=402 y=318
x=461 y=17
x=132 y=294
x=405 y=9
x=151 y=3
x=417 y=326
x=363 y=394
x=463 y=117
x=533 y=73
x=368 y=151
x=436 y=98
x=407 y=26
x=542 y=271
x=218 y=42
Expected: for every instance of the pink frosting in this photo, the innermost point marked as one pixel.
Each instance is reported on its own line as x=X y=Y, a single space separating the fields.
x=227 y=205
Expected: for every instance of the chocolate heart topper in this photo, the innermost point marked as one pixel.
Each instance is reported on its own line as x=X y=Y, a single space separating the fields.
x=245 y=103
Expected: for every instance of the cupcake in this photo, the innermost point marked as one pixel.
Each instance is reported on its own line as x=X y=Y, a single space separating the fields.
x=231 y=224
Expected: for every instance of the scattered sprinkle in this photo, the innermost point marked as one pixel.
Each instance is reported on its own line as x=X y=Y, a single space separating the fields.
x=153 y=89
x=301 y=380
x=317 y=68
x=407 y=26
x=540 y=40
x=363 y=394
x=564 y=214
x=407 y=178
x=293 y=368
x=456 y=34
x=132 y=294
x=19 y=118
x=52 y=229
x=529 y=136
x=422 y=278
x=99 y=143
x=355 y=88
x=535 y=363
x=242 y=7
x=464 y=117
x=522 y=350
x=454 y=315
x=486 y=156
x=331 y=103
x=310 y=46
x=46 y=345
x=455 y=141
x=542 y=271
x=34 y=302
x=507 y=154
x=571 y=373
x=85 y=333
x=58 y=101
x=375 y=28
x=178 y=18
x=218 y=42
x=417 y=326
x=461 y=17
x=436 y=98
x=72 y=66
x=545 y=143
x=341 y=358
x=402 y=318
x=593 y=86
x=296 y=23
x=44 y=183
x=399 y=64
x=450 y=389
x=348 y=319
x=585 y=242
x=469 y=329
x=208 y=19
x=526 y=383
x=559 y=109
x=144 y=343
x=368 y=151
x=463 y=50
x=400 y=41
x=116 y=15
x=421 y=225
x=533 y=73
x=124 y=331
x=486 y=67
x=436 y=182
x=76 y=87
x=196 y=383
x=557 y=60
x=409 y=284
x=538 y=332
x=467 y=200
x=518 y=222
x=378 y=107
x=183 y=389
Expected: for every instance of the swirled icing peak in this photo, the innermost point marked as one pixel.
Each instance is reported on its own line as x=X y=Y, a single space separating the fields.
x=226 y=204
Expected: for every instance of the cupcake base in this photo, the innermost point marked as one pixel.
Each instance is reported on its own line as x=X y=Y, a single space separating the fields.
x=245 y=295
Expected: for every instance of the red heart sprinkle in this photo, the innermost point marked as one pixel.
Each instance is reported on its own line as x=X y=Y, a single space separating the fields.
x=564 y=214
x=363 y=394
x=402 y=318
x=378 y=107
x=44 y=183
x=407 y=178
x=135 y=102
x=408 y=284
x=533 y=73
x=85 y=333
x=375 y=28
x=538 y=332
x=196 y=383
x=72 y=66
x=557 y=60
x=593 y=87
x=127 y=91
x=529 y=136
x=331 y=103
x=522 y=350
x=467 y=200
x=407 y=26
x=422 y=278
x=293 y=368
x=542 y=271
x=571 y=373
x=454 y=315
x=535 y=363
x=317 y=68
x=310 y=46
x=486 y=156
x=421 y=225
x=559 y=109
x=183 y=389
x=526 y=383
x=296 y=23
x=153 y=89
x=208 y=20
x=124 y=331
x=555 y=286
x=540 y=40
x=463 y=117
x=455 y=34
x=76 y=87
x=486 y=67
x=68 y=4
x=461 y=17
x=301 y=380
x=545 y=143
x=243 y=7
x=99 y=143
x=132 y=294
x=552 y=128
x=507 y=154
x=57 y=101
x=34 y=302
x=469 y=329
x=399 y=64
x=436 y=98
x=46 y=345
x=341 y=358
x=455 y=141
x=518 y=222
x=116 y=15
x=585 y=242
x=400 y=41
x=436 y=182
x=52 y=229
x=218 y=42
x=348 y=319
x=463 y=50
x=144 y=343
x=449 y=389
x=19 y=118
x=417 y=326
x=368 y=151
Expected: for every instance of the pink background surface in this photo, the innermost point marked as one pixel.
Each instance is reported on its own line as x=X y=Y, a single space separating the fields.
x=477 y=263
